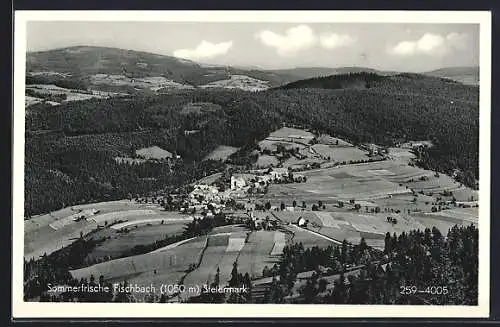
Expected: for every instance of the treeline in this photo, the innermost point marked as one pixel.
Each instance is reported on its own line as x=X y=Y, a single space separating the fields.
x=419 y=267
x=341 y=81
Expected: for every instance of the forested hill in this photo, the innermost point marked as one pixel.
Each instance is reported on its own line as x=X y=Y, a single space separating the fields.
x=404 y=83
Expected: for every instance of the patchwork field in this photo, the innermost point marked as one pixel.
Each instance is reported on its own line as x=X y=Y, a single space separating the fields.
x=308 y=238
x=154 y=83
x=467 y=215
x=211 y=259
x=47 y=92
x=50 y=232
x=256 y=253
x=348 y=225
x=242 y=82
x=292 y=134
x=331 y=189
x=367 y=181
x=176 y=260
x=330 y=140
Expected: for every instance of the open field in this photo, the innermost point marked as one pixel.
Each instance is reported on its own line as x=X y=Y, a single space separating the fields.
x=279 y=243
x=119 y=243
x=221 y=153
x=340 y=154
x=435 y=184
x=154 y=83
x=467 y=215
x=261 y=249
x=308 y=238
x=50 y=232
x=256 y=254
x=295 y=163
x=242 y=82
x=40 y=91
x=330 y=189
x=440 y=222
x=349 y=225
x=266 y=161
x=112 y=216
x=403 y=155
x=208 y=180
x=176 y=259
x=292 y=134
x=153 y=221
x=154 y=153
x=212 y=255
x=330 y=140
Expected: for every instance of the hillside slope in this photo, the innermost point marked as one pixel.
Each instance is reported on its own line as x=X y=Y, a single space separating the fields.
x=404 y=83
x=465 y=75
x=81 y=62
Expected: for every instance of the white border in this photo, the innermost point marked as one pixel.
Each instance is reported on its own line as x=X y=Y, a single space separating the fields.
x=22 y=309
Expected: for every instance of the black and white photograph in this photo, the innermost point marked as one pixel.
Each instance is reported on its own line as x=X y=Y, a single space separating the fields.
x=253 y=159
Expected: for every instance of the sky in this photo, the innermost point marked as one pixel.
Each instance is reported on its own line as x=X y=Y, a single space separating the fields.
x=385 y=46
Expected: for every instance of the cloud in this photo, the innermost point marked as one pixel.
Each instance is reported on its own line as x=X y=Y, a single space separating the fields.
x=332 y=41
x=205 y=50
x=302 y=37
x=294 y=40
x=431 y=45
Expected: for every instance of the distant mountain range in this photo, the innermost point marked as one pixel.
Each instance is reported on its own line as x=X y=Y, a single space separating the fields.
x=85 y=62
x=115 y=69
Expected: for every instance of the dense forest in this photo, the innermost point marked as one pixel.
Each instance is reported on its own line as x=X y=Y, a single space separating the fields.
x=418 y=267
x=70 y=147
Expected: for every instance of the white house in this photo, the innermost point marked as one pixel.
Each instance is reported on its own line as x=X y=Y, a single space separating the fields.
x=237 y=182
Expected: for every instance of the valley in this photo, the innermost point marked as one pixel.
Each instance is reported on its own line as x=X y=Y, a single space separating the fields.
x=151 y=170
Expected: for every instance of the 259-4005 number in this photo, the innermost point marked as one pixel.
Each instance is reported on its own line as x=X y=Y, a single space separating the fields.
x=433 y=290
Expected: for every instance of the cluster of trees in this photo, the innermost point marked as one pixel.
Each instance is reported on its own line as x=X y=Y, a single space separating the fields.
x=74 y=82
x=46 y=95
x=445 y=269
x=202 y=226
